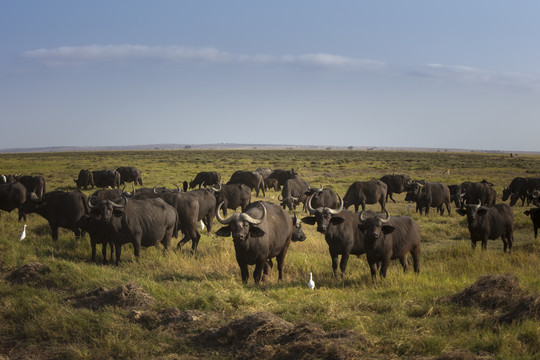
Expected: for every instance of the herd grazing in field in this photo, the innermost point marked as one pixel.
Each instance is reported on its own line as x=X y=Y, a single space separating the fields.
x=263 y=230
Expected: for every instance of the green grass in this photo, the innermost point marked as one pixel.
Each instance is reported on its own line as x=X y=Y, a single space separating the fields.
x=399 y=316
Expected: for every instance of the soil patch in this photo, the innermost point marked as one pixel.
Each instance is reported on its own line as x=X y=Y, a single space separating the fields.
x=171 y=317
x=125 y=296
x=264 y=335
x=501 y=295
x=31 y=273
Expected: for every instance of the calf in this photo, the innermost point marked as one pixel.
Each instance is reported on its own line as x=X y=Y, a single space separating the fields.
x=489 y=223
x=388 y=238
x=534 y=213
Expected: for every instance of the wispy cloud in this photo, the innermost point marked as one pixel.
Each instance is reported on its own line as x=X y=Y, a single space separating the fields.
x=80 y=55
x=473 y=75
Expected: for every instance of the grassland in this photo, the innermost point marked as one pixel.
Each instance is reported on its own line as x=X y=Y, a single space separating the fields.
x=398 y=317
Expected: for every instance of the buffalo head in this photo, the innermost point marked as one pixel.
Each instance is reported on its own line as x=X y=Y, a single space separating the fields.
x=324 y=216
x=241 y=226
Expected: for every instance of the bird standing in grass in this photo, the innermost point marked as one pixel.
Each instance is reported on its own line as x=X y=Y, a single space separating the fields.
x=23 y=234
x=311 y=283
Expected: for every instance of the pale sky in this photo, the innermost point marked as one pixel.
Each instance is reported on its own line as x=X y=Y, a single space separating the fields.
x=453 y=74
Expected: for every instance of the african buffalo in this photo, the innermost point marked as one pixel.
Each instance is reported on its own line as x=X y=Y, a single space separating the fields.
x=205 y=178
x=85 y=179
x=341 y=232
x=473 y=192
x=130 y=174
x=232 y=196
x=390 y=237
x=263 y=231
x=395 y=184
x=365 y=192
x=518 y=189
x=271 y=183
x=294 y=192
x=324 y=197
x=428 y=195
x=534 y=213
x=489 y=223
x=105 y=178
x=207 y=206
x=283 y=175
x=12 y=196
x=251 y=179
x=145 y=222
x=100 y=233
x=33 y=184
x=61 y=209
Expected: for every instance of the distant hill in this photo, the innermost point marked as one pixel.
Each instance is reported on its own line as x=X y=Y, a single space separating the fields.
x=230 y=146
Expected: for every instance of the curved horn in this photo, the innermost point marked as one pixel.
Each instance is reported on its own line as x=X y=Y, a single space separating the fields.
x=253 y=221
x=387 y=218
x=89 y=201
x=118 y=205
x=154 y=189
x=216 y=189
x=177 y=188
x=222 y=220
x=308 y=205
x=340 y=207
x=362 y=216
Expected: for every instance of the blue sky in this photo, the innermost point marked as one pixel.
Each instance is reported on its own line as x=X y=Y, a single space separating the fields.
x=453 y=74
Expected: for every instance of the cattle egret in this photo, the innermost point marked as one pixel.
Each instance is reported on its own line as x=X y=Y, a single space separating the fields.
x=311 y=283
x=202 y=225
x=23 y=234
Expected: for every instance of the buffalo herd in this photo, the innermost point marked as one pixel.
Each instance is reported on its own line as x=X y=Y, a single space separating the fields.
x=147 y=216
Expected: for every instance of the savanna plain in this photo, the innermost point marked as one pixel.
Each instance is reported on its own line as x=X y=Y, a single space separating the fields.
x=196 y=306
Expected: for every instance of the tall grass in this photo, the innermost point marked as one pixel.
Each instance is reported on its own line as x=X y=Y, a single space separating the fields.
x=399 y=315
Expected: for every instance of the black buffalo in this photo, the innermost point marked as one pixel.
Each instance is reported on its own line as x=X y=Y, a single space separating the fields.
x=390 y=237
x=294 y=192
x=271 y=183
x=130 y=174
x=85 y=179
x=187 y=208
x=145 y=222
x=395 y=184
x=232 y=196
x=519 y=188
x=263 y=231
x=283 y=175
x=61 y=209
x=205 y=178
x=489 y=223
x=365 y=192
x=12 y=196
x=534 y=213
x=341 y=232
x=324 y=197
x=105 y=178
x=100 y=233
x=33 y=184
x=428 y=195
x=251 y=179
x=474 y=192
x=207 y=206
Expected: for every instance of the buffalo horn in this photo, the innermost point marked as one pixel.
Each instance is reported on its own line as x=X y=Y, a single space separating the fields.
x=89 y=201
x=253 y=221
x=386 y=218
x=118 y=205
x=309 y=208
x=222 y=220
x=340 y=207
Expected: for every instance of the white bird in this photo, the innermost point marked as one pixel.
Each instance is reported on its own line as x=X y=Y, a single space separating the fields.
x=202 y=225
x=311 y=283
x=23 y=234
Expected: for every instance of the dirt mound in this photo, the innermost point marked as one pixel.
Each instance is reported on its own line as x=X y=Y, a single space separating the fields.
x=264 y=335
x=31 y=273
x=168 y=317
x=124 y=296
x=500 y=294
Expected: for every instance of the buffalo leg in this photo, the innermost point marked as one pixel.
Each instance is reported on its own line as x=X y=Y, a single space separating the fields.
x=373 y=269
x=343 y=263
x=484 y=243
x=473 y=244
x=535 y=232
x=448 y=208
x=118 y=249
x=384 y=267
x=404 y=262
x=93 y=244
x=244 y=272
x=111 y=248
x=257 y=273
x=103 y=252
x=267 y=269
x=335 y=260
x=54 y=232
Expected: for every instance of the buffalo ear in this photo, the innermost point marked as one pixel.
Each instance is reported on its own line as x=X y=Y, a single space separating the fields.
x=461 y=212
x=482 y=211
x=336 y=220
x=224 y=231
x=255 y=231
x=310 y=220
x=387 y=229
